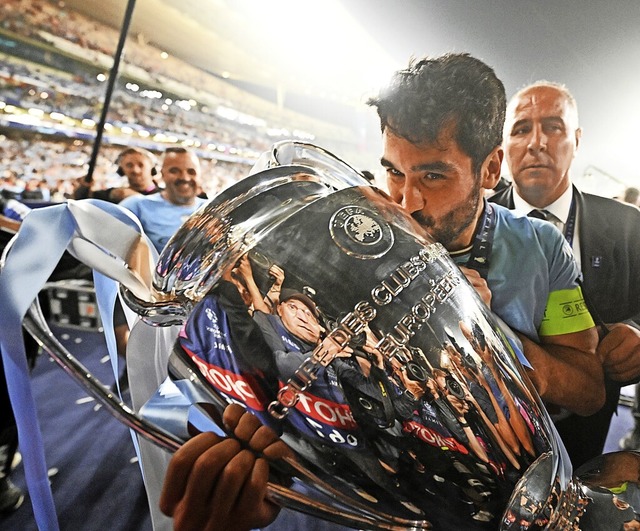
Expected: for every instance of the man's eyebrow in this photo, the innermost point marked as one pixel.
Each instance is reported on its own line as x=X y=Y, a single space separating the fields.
x=520 y=122
x=553 y=119
x=436 y=166
x=386 y=163
x=545 y=119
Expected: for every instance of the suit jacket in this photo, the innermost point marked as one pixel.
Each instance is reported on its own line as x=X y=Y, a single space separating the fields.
x=610 y=260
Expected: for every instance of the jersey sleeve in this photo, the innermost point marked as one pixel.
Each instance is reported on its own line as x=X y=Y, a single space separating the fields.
x=565 y=311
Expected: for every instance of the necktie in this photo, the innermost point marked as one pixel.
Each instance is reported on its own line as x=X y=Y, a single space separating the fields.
x=540 y=214
x=547 y=216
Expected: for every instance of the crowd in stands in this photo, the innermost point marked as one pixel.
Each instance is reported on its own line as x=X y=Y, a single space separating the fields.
x=54 y=165
x=79 y=96
x=52 y=23
x=48 y=113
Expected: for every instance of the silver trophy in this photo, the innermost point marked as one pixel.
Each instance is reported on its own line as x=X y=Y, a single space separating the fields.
x=308 y=296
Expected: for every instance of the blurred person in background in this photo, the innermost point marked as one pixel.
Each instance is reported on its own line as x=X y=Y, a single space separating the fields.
x=137 y=165
x=162 y=213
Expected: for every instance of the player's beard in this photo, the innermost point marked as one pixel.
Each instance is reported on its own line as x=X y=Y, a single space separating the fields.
x=448 y=228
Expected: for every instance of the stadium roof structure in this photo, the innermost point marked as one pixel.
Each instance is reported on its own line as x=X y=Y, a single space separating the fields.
x=310 y=47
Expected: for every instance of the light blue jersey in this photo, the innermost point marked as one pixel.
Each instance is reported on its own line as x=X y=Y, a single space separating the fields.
x=530 y=260
x=160 y=219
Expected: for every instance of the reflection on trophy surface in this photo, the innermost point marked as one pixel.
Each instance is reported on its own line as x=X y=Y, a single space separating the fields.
x=392 y=382
x=376 y=361
x=311 y=299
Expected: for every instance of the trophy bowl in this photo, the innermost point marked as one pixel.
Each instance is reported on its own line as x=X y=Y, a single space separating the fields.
x=401 y=394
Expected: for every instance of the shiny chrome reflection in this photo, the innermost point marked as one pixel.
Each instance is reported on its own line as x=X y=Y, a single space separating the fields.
x=388 y=377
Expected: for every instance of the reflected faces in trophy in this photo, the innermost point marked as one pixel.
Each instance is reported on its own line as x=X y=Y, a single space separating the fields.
x=379 y=366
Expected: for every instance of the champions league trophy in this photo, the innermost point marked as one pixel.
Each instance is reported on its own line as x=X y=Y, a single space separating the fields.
x=403 y=398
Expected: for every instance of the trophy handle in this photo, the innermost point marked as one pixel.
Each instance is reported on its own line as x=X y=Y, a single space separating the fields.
x=35 y=323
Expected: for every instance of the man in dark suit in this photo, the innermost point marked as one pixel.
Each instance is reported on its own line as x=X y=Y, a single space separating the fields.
x=541 y=137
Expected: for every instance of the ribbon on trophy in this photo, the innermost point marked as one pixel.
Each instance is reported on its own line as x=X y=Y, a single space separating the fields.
x=103 y=236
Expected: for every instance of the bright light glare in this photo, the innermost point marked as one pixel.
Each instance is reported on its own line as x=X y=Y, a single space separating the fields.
x=151 y=94
x=236 y=116
x=324 y=34
x=24 y=119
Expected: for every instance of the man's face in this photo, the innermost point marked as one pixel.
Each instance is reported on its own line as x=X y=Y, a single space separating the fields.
x=435 y=183
x=541 y=138
x=299 y=320
x=137 y=169
x=181 y=175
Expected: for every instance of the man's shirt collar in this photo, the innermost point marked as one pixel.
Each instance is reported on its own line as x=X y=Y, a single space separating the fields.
x=559 y=208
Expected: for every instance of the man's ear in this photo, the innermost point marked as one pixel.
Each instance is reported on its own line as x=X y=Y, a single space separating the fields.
x=492 y=168
x=578 y=137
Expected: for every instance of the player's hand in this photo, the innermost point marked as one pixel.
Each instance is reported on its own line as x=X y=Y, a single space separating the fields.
x=619 y=351
x=214 y=483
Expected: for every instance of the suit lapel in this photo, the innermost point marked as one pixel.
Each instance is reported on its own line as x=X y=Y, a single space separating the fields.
x=597 y=245
x=504 y=197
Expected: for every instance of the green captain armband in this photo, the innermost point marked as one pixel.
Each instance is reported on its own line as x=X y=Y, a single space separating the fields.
x=566 y=312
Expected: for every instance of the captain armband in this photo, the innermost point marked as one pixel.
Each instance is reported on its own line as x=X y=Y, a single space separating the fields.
x=566 y=312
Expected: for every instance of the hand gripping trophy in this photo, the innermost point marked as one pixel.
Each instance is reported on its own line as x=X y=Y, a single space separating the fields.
x=306 y=295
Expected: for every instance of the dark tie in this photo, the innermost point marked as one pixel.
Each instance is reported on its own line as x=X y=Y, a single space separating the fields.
x=540 y=214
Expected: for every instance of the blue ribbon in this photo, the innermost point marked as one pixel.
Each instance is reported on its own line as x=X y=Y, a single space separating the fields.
x=34 y=256
x=43 y=237
x=174 y=406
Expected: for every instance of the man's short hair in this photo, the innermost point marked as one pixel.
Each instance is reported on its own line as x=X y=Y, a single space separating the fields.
x=288 y=294
x=177 y=149
x=139 y=151
x=560 y=87
x=454 y=90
